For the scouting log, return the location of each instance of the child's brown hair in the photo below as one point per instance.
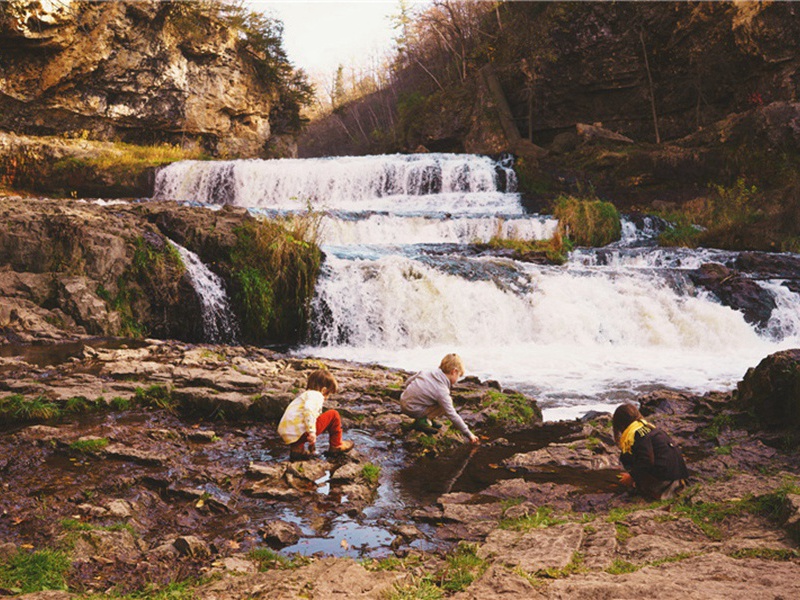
(624, 415)
(322, 378)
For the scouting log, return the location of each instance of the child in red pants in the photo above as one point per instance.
(304, 420)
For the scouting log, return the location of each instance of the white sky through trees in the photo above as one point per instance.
(319, 35)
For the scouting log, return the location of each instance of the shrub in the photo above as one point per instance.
(587, 222)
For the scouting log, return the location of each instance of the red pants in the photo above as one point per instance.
(329, 421)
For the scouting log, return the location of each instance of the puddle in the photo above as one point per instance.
(50, 355)
(169, 495)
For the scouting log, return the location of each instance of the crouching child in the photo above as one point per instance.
(304, 420)
(654, 464)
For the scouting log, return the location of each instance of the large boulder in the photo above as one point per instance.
(737, 291)
(771, 390)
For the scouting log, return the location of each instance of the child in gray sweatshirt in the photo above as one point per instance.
(427, 396)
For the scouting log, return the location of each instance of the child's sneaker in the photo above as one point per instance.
(425, 425)
(345, 446)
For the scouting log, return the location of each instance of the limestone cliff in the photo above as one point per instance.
(142, 72)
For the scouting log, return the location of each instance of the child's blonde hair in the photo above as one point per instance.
(451, 362)
(322, 379)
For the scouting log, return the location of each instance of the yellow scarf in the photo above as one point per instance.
(627, 437)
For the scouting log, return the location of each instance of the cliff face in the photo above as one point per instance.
(604, 62)
(142, 72)
(70, 268)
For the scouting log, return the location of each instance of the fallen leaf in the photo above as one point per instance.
(344, 544)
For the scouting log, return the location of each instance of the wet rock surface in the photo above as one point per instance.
(162, 477)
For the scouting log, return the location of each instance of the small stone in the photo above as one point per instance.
(279, 534)
(190, 545)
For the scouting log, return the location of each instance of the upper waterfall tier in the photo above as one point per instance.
(407, 182)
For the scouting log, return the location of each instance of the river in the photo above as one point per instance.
(399, 286)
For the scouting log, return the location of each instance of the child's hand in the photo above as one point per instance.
(474, 440)
(625, 479)
(312, 439)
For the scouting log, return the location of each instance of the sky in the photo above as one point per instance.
(319, 35)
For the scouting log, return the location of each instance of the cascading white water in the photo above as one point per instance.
(401, 288)
(219, 325)
(416, 182)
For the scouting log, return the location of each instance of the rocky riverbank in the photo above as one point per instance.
(154, 462)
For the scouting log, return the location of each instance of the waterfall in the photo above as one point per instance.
(416, 182)
(219, 325)
(402, 286)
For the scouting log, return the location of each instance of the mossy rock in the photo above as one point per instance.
(770, 392)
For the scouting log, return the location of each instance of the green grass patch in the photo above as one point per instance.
(267, 560)
(178, 590)
(17, 407)
(589, 222)
(509, 408)
(718, 424)
(575, 565)
(393, 563)
(371, 473)
(420, 588)
(89, 445)
(27, 572)
(462, 568)
(119, 403)
(156, 396)
(81, 404)
(543, 517)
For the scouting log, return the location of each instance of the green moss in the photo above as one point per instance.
(274, 270)
(587, 222)
(509, 408)
(89, 445)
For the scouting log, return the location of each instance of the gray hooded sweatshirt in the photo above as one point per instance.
(426, 390)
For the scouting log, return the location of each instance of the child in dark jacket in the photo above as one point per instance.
(654, 463)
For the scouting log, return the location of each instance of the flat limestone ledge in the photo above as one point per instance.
(328, 578)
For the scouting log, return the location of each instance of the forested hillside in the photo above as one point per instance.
(686, 109)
